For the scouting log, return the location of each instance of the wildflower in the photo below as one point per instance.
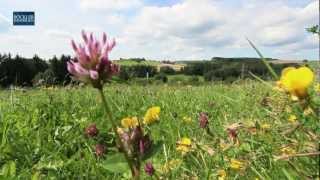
(100, 150)
(184, 145)
(224, 146)
(130, 122)
(236, 164)
(308, 111)
(292, 118)
(92, 64)
(144, 145)
(91, 131)
(151, 115)
(170, 165)
(211, 104)
(296, 81)
(120, 131)
(203, 120)
(287, 150)
(222, 174)
(149, 169)
(187, 119)
(233, 131)
(136, 134)
(317, 87)
(288, 109)
(265, 126)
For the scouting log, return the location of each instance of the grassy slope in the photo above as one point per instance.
(42, 130)
(131, 63)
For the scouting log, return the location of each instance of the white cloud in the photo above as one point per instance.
(59, 34)
(188, 29)
(110, 4)
(209, 25)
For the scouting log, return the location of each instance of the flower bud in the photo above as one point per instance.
(100, 150)
(203, 120)
(91, 131)
(149, 169)
(144, 145)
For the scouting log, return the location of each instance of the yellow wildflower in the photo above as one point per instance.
(265, 126)
(288, 109)
(287, 150)
(151, 115)
(236, 164)
(187, 119)
(170, 165)
(130, 122)
(120, 130)
(317, 87)
(222, 174)
(296, 81)
(184, 145)
(308, 111)
(292, 118)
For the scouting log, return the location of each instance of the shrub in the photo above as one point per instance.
(141, 70)
(167, 70)
(161, 77)
(124, 74)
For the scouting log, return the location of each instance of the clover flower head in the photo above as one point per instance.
(100, 150)
(149, 169)
(91, 130)
(203, 120)
(92, 64)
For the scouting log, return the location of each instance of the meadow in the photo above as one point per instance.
(42, 132)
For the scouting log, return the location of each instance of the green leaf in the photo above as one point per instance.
(8, 169)
(155, 148)
(116, 163)
(286, 173)
(47, 164)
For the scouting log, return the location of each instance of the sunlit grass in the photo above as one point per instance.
(42, 131)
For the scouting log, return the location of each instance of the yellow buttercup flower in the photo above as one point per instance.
(170, 165)
(296, 81)
(221, 174)
(308, 111)
(187, 119)
(317, 87)
(287, 151)
(120, 130)
(184, 145)
(151, 115)
(292, 118)
(236, 164)
(265, 126)
(288, 109)
(130, 122)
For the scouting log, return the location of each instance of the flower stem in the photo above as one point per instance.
(135, 172)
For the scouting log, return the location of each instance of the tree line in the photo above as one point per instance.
(22, 71)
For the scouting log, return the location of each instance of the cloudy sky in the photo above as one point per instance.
(166, 29)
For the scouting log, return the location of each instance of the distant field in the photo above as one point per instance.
(131, 63)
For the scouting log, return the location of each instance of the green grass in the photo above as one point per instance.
(41, 131)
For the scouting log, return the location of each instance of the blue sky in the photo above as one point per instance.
(166, 29)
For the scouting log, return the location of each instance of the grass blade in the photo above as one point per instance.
(273, 73)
